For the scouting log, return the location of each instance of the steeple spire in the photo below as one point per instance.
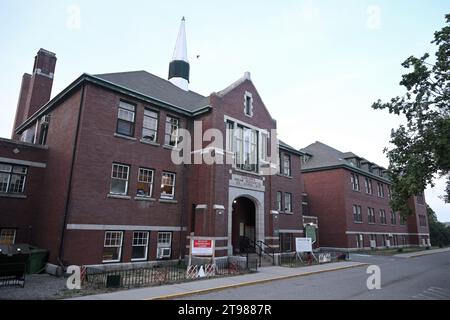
(179, 66)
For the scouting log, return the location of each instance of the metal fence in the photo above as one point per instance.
(165, 273)
(318, 257)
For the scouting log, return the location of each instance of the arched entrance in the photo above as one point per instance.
(243, 222)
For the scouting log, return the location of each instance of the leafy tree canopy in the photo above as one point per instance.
(422, 146)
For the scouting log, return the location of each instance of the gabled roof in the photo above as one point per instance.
(284, 146)
(325, 157)
(153, 86)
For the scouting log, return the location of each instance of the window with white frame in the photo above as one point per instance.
(380, 189)
(125, 119)
(354, 179)
(285, 164)
(357, 216)
(12, 178)
(382, 216)
(393, 218)
(7, 236)
(368, 185)
(164, 239)
(168, 185)
(150, 125)
(145, 182)
(230, 135)
(246, 148)
(263, 147)
(279, 203)
(171, 134)
(140, 245)
(287, 202)
(119, 179)
(112, 247)
(248, 104)
(359, 240)
(371, 215)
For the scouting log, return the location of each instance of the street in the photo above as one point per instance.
(423, 278)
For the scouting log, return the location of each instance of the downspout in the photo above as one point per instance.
(69, 189)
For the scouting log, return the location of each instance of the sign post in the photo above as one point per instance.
(201, 247)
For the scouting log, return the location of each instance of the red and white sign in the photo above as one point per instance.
(202, 247)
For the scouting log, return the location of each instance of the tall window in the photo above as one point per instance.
(168, 185)
(368, 185)
(380, 189)
(150, 126)
(145, 183)
(140, 245)
(246, 149)
(172, 126)
(230, 135)
(285, 164)
(12, 178)
(422, 220)
(354, 179)
(359, 240)
(279, 203)
(112, 248)
(7, 236)
(286, 242)
(264, 140)
(126, 119)
(393, 218)
(402, 220)
(389, 192)
(119, 179)
(305, 204)
(371, 215)
(287, 202)
(248, 105)
(357, 217)
(383, 216)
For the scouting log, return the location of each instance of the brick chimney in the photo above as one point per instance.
(36, 89)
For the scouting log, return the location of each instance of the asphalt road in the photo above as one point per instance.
(423, 278)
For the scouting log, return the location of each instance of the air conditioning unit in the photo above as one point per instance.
(45, 119)
(388, 243)
(163, 253)
(373, 244)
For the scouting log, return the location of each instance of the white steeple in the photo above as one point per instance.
(179, 66)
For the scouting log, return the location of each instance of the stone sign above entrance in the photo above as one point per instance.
(246, 182)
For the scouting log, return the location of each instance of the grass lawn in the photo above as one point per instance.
(390, 252)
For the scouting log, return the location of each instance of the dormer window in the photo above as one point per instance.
(248, 104)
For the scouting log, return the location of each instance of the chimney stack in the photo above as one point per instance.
(36, 89)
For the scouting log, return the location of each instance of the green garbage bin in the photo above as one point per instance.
(38, 259)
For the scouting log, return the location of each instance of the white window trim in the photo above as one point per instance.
(248, 95)
(110, 246)
(166, 195)
(151, 182)
(2, 235)
(146, 246)
(164, 245)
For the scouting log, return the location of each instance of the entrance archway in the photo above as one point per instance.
(243, 222)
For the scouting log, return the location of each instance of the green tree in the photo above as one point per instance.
(439, 233)
(422, 146)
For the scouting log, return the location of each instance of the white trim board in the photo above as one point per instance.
(73, 226)
(24, 162)
(387, 232)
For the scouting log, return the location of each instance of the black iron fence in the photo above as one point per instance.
(165, 273)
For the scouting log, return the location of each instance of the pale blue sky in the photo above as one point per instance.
(318, 65)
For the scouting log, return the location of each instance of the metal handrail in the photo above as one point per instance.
(271, 252)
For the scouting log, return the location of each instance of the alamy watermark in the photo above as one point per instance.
(374, 280)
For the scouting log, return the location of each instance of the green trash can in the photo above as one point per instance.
(38, 259)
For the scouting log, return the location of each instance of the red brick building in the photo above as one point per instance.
(89, 174)
(350, 196)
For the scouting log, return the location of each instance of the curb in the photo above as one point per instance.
(248, 283)
(420, 255)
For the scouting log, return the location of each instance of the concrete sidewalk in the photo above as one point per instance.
(264, 274)
(421, 253)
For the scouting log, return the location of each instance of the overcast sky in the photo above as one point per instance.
(318, 65)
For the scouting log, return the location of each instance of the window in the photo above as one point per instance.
(145, 183)
(168, 185)
(354, 179)
(368, 185)
(286, 242)
(264, 141)
(150, 126)
(305, 204)
(393, 218)
(371, 215)
(287, 202)
(382, 216)
(172, 126)
(402, 220)
(359, 240)
(279, 206)
(246, 149)
(357, 217)
(230, 135)
(380, 189)
(12, 178)
(164, 245)
(420, 199)
(125, 119)
(422, 220)
(140, 245)
(373, 239)
(389, 192)
(112, 248)
(285, 164)
(248, 104)
(7, 236)
(43, 132)
(119, 179)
